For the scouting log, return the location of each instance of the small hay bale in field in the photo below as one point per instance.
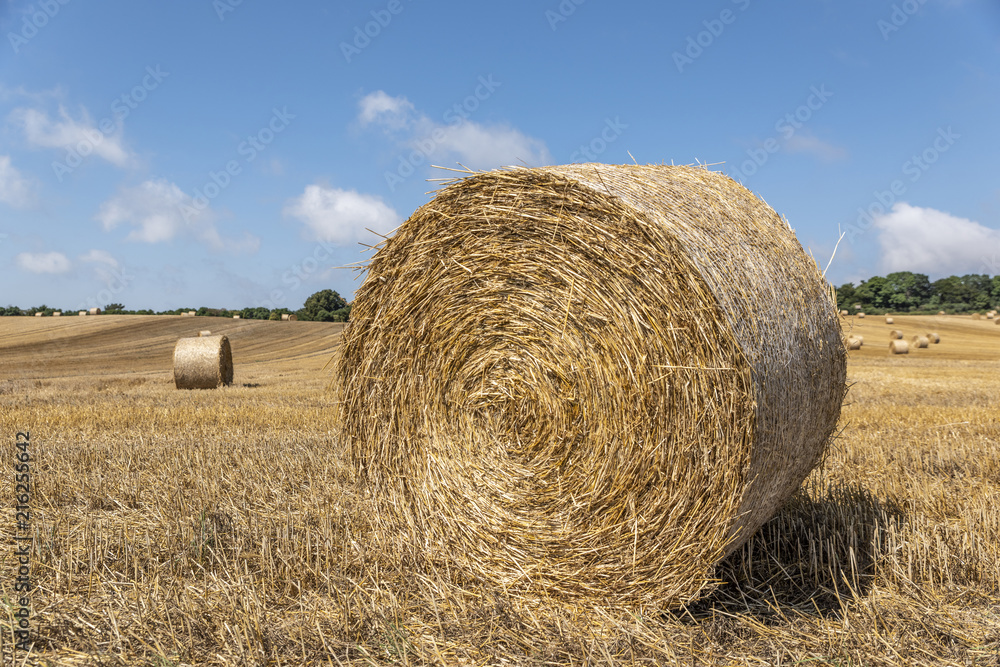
(236, 317)
(58, 313)
(293, 317)
(941, 312)
(203, 363)
(204, 332)
(95, 311)
(39, 314)
(82, 313)
(898, 347)
(920, 341)
(854, 343)
(975, 316)
(989, 316)
(859, 337)
(895, 333)
(934, 338)
(888, 320)
(996, 321)
(567, 381)
(861, 315)
(844, 313)
(192, 313)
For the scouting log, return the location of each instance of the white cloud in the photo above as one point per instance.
(803, 142)
(391, 112)
(341, 216)
(934, 242)
(107, 267)
(66, 133)
(473, 144)
(43, 262)
(15, 189)
(101, 257)
(160, 211)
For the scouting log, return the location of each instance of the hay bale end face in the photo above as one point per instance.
(934, 338)
(557, 379)
(920, 341)
(889, 320)
(203, 362)
(895, 333)
(899, 347)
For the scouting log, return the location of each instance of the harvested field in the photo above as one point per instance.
(226, 527)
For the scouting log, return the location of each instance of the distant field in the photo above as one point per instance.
(224, 527)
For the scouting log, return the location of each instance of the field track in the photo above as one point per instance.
(63, 347)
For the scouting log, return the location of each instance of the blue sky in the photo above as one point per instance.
(230, 153)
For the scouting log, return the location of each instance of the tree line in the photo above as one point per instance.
(904, 291)
(324, 306)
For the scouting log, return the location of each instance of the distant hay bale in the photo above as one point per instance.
(934, 338)
(859, 337)
(57, 313)
(975, 316)
(989, 316)
(569, 381)
(236, 317)
(888, 320)
(941, 312)
(204, 332)
(898, 347)
(861, 315)
(39, 314)
(854, 343)
(192, 313)
(284, 317)
(844, 312)
(920, 341)
(82, 313)
(95, 311)
(293, 317)
(203, 363)
(996, 321)
(895, 333)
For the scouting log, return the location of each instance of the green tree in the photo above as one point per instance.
(873, 293)
(322, 306)
(114, 309)
(906, 290)
(846, 297)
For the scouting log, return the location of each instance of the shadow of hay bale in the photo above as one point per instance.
(813, 554)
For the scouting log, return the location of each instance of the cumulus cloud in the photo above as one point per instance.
(933, 242)
(474, 144)
(803, 142)
(15, 189)
(67, 133)
(160, 211)
(341, 216)
(43, 262)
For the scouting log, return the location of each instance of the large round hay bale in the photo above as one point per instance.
(975, 316)
(39, 314)
(57, 313)
(95, 311)
(920, 341)
(934, 338)
(861, 315)
(895, 333)
(203, 362)
(236, 317)
(569, 381)
(854, 343)
(889, 320)
(844, 313)
(996, 321)
(859, 337)
(989, 316)
(899, 347)
(941, 312)
(82, 313)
